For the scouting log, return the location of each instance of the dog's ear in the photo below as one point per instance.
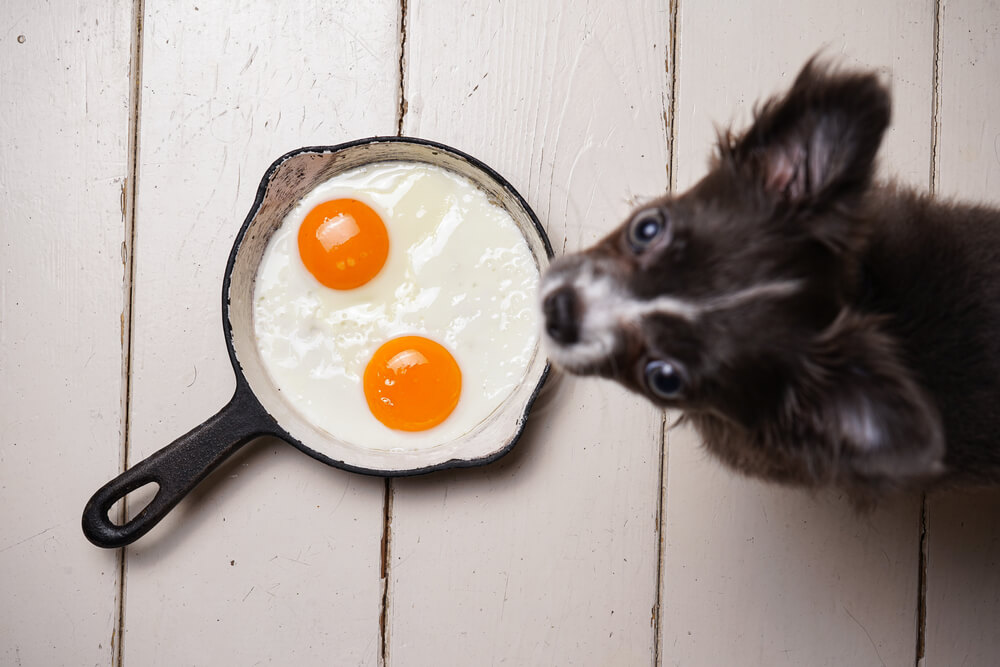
(819, 141)
(869, 405)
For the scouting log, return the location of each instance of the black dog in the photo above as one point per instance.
(816, 327)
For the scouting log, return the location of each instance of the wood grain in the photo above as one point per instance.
(963, 529)
(275, 558)
(64, 87)
(756, 574)
(551, 555)
(548, 557)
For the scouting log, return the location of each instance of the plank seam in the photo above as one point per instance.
(935, 94)
(932, 185)
(672, 71)
(386, 546)
(661, 502)
(922, 584)
(402, 69)
(383, 621)
(128, 315)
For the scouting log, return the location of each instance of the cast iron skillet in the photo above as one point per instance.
(258, 408)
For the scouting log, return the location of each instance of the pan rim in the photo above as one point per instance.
(276, 429)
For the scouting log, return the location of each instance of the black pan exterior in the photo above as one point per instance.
(182, 464)
(176, 469)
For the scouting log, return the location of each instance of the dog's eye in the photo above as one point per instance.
(645, 227)
(664, 379)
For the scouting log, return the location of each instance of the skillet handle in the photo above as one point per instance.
(176, 468)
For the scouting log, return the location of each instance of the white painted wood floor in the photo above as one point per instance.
(134, 137)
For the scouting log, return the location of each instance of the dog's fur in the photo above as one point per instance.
(822, 328)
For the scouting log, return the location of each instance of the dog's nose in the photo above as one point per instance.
(561, 310)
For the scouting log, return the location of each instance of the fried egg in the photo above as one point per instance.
(394, 306)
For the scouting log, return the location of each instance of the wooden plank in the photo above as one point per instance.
(64, 110)
(968, 144)
(757, 574)
(963, 529)
(963, 579)
(547, 557)
(276, 557)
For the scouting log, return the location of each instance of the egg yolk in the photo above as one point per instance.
(343, 243)
(412, 383)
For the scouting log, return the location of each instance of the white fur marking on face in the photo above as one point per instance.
(602, 300)
(691, 310)
(606, 305)
(662, 305)
(861, 425)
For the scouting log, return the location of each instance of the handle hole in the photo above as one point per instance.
(134, 501)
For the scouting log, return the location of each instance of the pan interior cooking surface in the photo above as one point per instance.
(426, 346)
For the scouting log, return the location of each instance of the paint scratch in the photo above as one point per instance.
(29, 538)
(867, 634)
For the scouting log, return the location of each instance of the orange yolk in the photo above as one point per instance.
(343, 243)
(412, 383)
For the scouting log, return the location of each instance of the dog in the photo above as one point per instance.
(816, 327)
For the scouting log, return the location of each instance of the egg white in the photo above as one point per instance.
(459, 272)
